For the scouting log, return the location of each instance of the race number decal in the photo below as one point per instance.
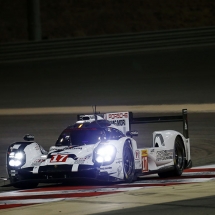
(137, 155)
(144, 155)
(58, 158)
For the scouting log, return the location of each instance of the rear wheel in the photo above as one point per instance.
(128, 163)
(179, 159)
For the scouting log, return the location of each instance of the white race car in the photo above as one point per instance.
(101, 147)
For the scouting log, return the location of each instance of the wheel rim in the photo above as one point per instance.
(179, 153)
(128, 164)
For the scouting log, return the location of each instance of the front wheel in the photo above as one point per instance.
(128, 163)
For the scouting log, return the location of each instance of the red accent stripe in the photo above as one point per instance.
(182, 177)
(7, 206)
(51, 196)
(153, 184)
(200, 170)
(56, 188)
(94, 193)
(78, 195)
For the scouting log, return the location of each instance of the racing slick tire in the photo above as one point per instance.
(22, 185)
(128, 163)
(179, 159)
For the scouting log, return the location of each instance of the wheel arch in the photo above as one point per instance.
(30, 149)
(165, 138)
(183, 143)
(181, 140)
(128, 161)
(132, 143)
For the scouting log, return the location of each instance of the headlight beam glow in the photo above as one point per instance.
(105, 153)
(19, 155)
(16, 159)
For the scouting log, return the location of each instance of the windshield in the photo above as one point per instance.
(78, 137)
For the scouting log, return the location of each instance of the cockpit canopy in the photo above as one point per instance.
(81, 135)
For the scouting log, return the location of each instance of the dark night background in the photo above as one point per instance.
(80, 18)
(176, 75)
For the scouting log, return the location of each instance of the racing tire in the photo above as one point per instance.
(128, 163)
(23, 185)
(179, 160)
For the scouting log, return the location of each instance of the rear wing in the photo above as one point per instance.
(124, 120)
(158, 119)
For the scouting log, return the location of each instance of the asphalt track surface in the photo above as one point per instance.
(181, 76)
(192, 193)
(178, 76)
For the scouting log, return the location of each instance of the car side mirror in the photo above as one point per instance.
(132, 133)
(28, 137)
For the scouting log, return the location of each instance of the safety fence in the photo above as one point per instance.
(104, 45)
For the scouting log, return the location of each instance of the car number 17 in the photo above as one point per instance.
(58, 158)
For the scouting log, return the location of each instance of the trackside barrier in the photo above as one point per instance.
(103, 45)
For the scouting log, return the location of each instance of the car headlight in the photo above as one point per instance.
(15, 162)
(19, 155)
(104, 154)
(16, 159)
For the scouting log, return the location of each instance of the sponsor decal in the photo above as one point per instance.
(104, 168)
(87, 157)
(134, 133)
(138, 164)
(82, 160)
(118, 115)
(119, 170)
(37, 162)
(58, 158)
(152, 151)
(137, 155)
(164, 155)
(119, 119)
(118, 122)
(144, 155)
